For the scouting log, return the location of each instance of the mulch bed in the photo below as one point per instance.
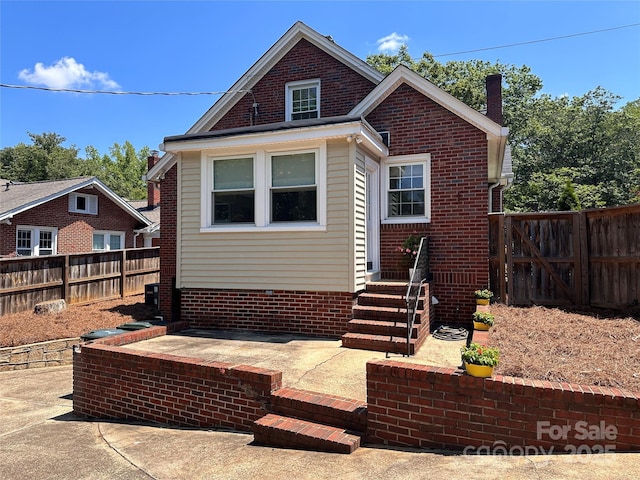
(589, 348)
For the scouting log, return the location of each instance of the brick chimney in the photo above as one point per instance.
(494, 97)
(153, 189)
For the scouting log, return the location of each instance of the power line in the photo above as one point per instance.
(537, 41)
(108, 92)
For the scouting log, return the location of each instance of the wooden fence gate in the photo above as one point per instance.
(587, 258)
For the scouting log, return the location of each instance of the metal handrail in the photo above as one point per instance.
(419, 273)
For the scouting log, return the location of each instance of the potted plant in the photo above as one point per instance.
(483, 320)
(483, 296)
(479, 360)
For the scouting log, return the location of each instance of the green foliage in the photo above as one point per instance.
(484, 317)
(557, 144)
(477, 354)
(485, 293)
(47, 159)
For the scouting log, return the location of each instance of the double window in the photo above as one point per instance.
(266, 189)
(407, 183)
(36, 241)
(303, 100)
(83, 203)
(103, 241)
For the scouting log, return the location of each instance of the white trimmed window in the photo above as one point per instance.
(104, 241)
(279, 190)
(303, 100)
(32, 241)
(407, 183)
(83, 203)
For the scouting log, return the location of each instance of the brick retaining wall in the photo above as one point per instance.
(424, 406)
(118, 383)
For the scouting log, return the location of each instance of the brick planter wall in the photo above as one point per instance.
(323, 314)
(116, 383)
(423, 406)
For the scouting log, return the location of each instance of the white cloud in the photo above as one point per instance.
(391, 43)
(67, 73)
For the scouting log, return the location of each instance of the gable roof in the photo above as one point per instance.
(258, 70)
(19, 197)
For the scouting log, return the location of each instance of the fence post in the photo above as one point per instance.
(65, 279)
(509, 249)
(584, 297)
(123, 273)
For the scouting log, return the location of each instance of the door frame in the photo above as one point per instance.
(372, 218)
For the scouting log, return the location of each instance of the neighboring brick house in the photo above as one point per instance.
(150, 208)
(75, 215)
(295, 188)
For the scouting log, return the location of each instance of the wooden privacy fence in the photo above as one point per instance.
(586, 258)
(77, 278)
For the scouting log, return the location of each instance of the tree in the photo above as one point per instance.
(555, 142)
(47, 159)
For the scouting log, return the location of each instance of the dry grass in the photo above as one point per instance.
(552, 344)
(27, 327)
(536, 342)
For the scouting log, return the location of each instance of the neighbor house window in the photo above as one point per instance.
(36, 240)
(103, 241)
(279, 190)
(293, 187)
(233, 195)
(83, 203)
(303, 100)
(407, 180)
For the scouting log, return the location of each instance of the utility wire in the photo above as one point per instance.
(107, 92)
(537, 41)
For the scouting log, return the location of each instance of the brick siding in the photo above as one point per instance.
(431, 407)
(323, 314)
(111, 382)
(459, 227)
(75, 230)
(341, 88)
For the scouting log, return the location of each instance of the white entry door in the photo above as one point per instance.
(373, 219)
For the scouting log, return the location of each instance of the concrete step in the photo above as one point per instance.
(378, 327)
(287, 432)
(381, 343)
(321, 408)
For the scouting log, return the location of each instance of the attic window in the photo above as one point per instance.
(82, 203)
(303, 100)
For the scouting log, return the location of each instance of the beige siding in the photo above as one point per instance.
(360, 171)
(318, 261)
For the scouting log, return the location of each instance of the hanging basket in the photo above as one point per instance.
(480, 326)
(482, 301)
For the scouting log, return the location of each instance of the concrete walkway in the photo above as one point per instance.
(41, 438)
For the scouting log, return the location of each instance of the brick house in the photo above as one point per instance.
(294, 189)
(75, 215)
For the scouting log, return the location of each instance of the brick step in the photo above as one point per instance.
(384, 300)
(381, 313)
(389, 287)
(286, 432)
(381, 343)
(378, 327)
(320, 407)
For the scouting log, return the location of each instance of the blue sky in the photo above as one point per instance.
(205, 46)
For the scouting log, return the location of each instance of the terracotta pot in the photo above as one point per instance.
(481, 371)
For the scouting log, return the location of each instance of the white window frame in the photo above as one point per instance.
(91, 202)
(262, 183)
(107, 240)
(291, 87)
(35, 239)
(212, 190)
(425, 160)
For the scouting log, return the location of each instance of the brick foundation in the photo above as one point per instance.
(423, 406)
(323, 314)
